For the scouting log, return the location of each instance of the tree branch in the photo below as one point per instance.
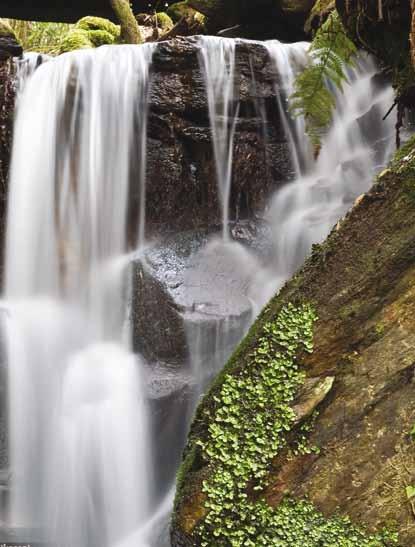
(130, 31)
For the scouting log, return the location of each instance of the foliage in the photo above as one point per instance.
(5, 28)
(330, 51)
(40, 37)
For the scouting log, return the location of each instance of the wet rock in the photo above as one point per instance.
(186, 285)
(7, 96)
(171, 395)
(181, 178)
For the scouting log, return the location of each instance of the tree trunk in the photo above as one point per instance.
(130, 31)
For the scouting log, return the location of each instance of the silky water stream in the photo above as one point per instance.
(81, 438)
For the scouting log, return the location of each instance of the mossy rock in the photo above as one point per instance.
(164, 21)
(90, 32)
(76, 39)
(101, 37)
(182, 9)
(98, 23)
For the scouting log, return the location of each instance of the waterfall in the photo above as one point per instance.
(80, 439)
(217, 60)
(79, 445)
(357, 145)
(289, 60)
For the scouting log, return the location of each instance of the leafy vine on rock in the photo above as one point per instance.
(247, 430)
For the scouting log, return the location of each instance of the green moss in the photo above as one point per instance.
(98, 23)
(76, 39)
(100, 37)
(90, 32)
(181, 9)
(164, 21)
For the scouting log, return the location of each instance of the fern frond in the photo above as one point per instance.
(330, 52)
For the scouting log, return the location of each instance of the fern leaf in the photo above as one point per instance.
(330, 52)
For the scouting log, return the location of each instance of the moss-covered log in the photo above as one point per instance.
(130, 31)
(361, 284)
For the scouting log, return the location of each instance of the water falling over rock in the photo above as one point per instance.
(82, 439)
(79, 445)
(217, 57)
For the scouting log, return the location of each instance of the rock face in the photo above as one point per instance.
(382, 28)
(181, 180)
(7, 95)
(361, 283)
(176, 296)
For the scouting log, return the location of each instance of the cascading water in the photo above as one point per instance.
(217, 59)
(357, 145)
(79, 442)
(289, 60)
(78, 428)
(302, 212)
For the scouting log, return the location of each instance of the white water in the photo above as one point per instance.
(289, 60)
(357, 145)
(79, 437)
(79, 445)
(217, 60)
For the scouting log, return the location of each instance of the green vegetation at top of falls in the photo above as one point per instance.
(248, 423)
(98, 23)
(90, 32)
